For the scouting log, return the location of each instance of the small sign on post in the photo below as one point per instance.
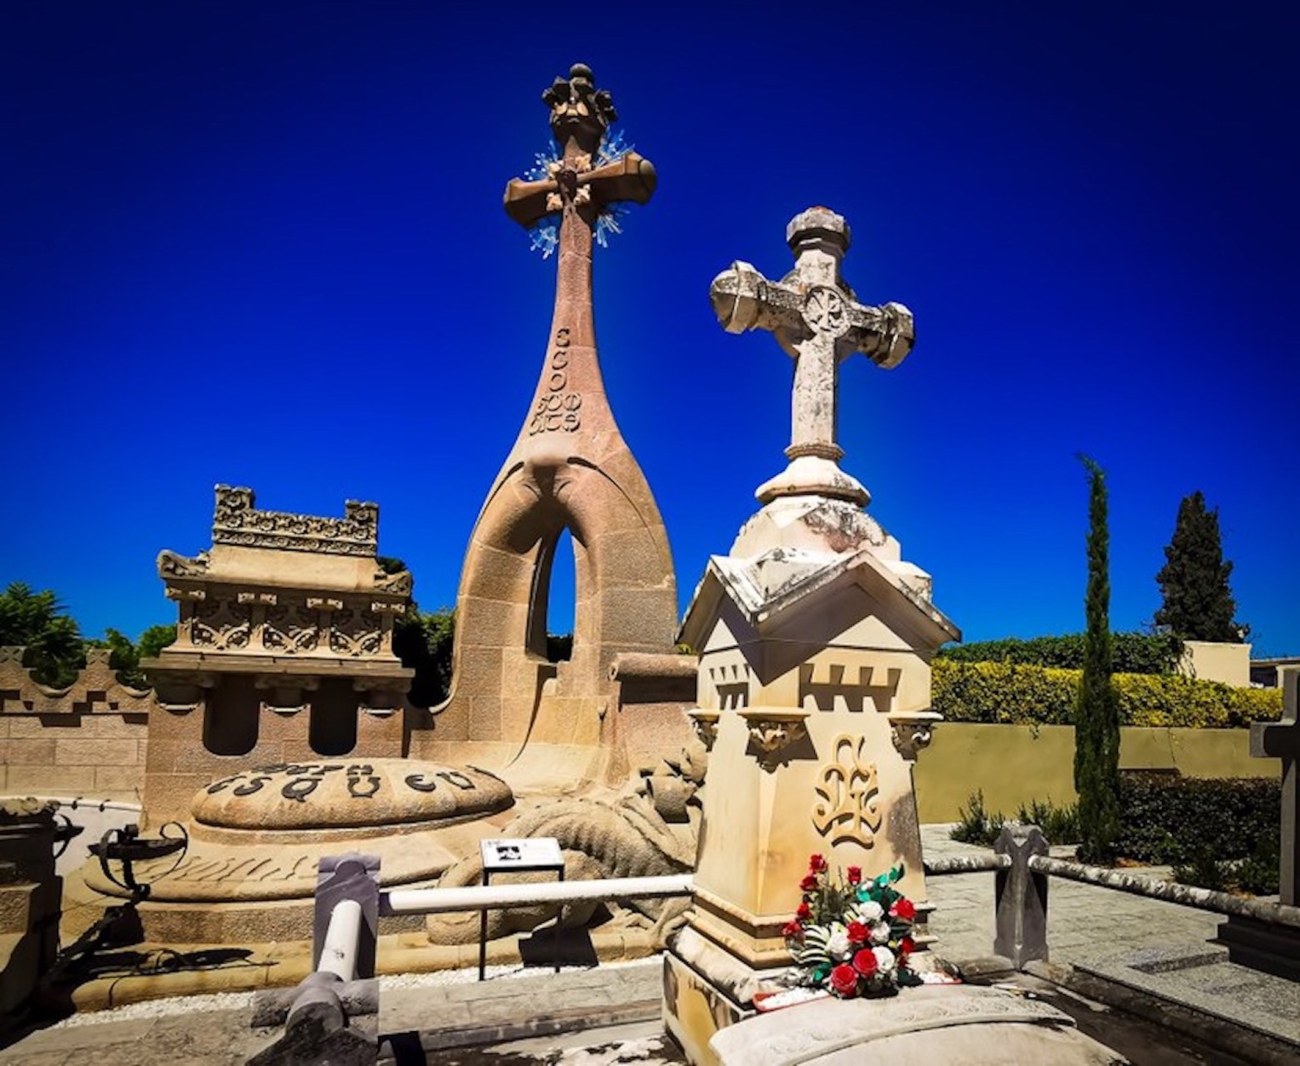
(518, 855)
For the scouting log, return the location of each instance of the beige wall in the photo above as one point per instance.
(99, 756)
(1015, 764)
(1210, 661)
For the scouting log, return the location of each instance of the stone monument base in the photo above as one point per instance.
(1274, 949)
(919, 1027)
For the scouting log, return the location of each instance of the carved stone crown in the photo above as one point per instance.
(237, 521)
(578, 108)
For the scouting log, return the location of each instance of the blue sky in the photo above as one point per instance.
(263, 244)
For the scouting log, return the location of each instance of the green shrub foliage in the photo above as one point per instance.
(1025, 695)
(1172, 819)
(1197, 602)
(1134, 653)
(1096, 716)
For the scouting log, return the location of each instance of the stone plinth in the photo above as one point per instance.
(30, 899)
(973, 1026)
(815, 644)
(283, 650)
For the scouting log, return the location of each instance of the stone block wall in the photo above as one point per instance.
(84, 740)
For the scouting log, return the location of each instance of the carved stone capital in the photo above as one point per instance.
(913, 731)
(185, 595)
(705, 724)
(323, 603)
(772, 732)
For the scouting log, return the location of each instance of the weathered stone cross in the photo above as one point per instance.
(1281, 740)
(818, 321)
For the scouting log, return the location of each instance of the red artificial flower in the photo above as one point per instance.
(844, 979)
(864, 962)
(804, 910)
(858, 933)
(809, 883)
(903, 908)
(906, 946)
(855, 875)
(816, 864)
(792, 930)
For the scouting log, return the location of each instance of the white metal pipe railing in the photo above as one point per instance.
(493, 897)
(342, 938)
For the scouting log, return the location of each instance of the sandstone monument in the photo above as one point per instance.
(545, 725)
(278, 731)
(815, 642)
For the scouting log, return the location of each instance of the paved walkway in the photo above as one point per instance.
(1127, 940)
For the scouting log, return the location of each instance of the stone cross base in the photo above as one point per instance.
(706, 989)
(1262, 946)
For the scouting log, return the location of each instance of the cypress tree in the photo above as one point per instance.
(1096, 719)
(1198, 603)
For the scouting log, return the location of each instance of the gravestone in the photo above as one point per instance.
(1276, 948)
(815, 642)
(554, 726)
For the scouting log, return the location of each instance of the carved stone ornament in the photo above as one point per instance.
(237, 521)
(705, 724)
(772, 732)
(847, 807)
(912, 732)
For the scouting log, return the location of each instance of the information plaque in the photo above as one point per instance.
(518, 855)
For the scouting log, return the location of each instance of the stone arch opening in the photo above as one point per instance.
(332, 728)
(231, 716)
(553, 605)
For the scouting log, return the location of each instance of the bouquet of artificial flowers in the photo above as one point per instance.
(852, 937)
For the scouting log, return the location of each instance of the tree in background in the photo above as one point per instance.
(1198, 604)
(1096, 719)
(125, 654)
(423, 641)
(41, 624)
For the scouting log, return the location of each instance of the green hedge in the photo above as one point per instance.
(992, 692)
(1134, 653)
(1170, 819)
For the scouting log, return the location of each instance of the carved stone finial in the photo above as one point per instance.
(578, 108)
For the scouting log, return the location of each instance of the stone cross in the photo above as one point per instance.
(1281, 740)
(818, 321)
(577, 189)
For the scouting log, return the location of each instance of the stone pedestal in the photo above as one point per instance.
(30, 899)
(815, 643)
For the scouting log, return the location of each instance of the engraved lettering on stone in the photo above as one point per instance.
(848, 808)
(252, 785)
(300, 788)
(421, 783)
(455, 777)
(362, 782)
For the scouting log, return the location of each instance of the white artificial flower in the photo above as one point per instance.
(871, 911)
(880, 933)
(884, 960)
(838, 947)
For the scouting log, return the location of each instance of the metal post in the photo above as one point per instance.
(482, 932)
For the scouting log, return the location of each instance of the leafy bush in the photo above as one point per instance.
(1171, 819)
(974, 824)
(1134, 653)
(1060, 825)
(992, 692)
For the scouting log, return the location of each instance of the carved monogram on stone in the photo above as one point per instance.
(558, 409)
(237, 521)
(847, 807)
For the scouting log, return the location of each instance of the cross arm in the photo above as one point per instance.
(1275, 740)
(885, 335)
(631, 177)
(743, 299)
(526, 201)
